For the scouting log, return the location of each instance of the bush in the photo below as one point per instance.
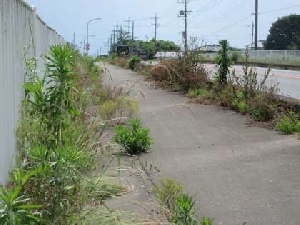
(180, 207)
(184, 211)
(288, 124)
(185, 71)
(298, 127)
(239, 102)
(133, 138)
(132, 62)
(15, 208)
(262, 108)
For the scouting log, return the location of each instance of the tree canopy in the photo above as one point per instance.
(151, 47)
(284, 34)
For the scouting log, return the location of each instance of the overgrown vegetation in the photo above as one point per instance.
(246, 92)
(178, 206)
(57, 140)
(133, 61)
(133, 138)
(289, 123)
(184, 72)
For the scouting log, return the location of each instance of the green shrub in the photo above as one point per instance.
(132, 62)
(16, 208)
(184, 210)
(180, 207)
(288, 124)
(198, 92)
(133, 138)
(262, 109)
(239, 102)
(223, 62)
(206, 221)
(298, 127)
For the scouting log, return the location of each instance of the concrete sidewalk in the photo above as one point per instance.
(241, 174)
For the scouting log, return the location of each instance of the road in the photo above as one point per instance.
(240, 173)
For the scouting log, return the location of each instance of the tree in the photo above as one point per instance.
(284, 34)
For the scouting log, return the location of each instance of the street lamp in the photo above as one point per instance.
(87, 33)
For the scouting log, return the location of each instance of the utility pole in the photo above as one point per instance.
(74, 40)
(128, 25)
(184, 13)
(256, 24)
(111, 42)
(121, 34)
(155, 26)
(114, 35)
(252, 35)
(132, 31)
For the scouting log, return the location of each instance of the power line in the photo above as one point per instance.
(231, 25)
(277, 10)
(208, 7)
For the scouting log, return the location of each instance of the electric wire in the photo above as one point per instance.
(231, 25)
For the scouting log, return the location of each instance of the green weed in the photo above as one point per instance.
(198, 92)
(223, 62)
(288, 124)
(16, 208)
(206, 221)
(133, 137)
(180, 207)
(167, 192)
(132, 62)
(184, 210)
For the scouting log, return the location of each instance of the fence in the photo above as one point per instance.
(280, 57)
(20, 26)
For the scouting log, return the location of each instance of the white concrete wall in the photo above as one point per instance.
(19, 27)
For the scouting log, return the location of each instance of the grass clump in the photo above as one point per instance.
(133, 138)
(289, 123)
(100, 189)
(239, 102)
(133, 62)
(122, 106)
(179, 206)
(166, 192)
(198, 93)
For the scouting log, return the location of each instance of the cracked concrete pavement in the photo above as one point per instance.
(241, 174)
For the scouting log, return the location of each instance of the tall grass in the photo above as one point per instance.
(55, 143)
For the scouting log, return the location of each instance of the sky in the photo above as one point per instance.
(209, 20)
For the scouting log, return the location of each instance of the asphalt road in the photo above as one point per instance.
(241, 174)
